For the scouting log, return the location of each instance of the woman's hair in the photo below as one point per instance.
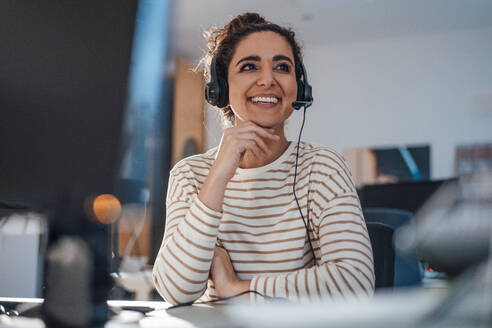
(222, 43)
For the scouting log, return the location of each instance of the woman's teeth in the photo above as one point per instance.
(266, 100)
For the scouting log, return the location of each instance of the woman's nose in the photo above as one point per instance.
(266, 78)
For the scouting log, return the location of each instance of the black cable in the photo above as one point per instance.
(222, 299)
(294, 186)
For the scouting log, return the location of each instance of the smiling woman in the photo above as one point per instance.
(233, 222)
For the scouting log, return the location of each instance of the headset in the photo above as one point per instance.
(217, 90)
(304, 91)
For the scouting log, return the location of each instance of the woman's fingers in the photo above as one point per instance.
(257, 143)
(251, 131)
(236, 141)
(251, 145)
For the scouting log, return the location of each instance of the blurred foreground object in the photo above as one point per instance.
(453, 230)
(453, 234)
(76, 278)
(68, 299)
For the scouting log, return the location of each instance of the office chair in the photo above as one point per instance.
(381, 236)
(408, 271)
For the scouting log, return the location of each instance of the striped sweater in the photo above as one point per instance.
(262, 230)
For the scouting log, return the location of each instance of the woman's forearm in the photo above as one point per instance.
(213, 189)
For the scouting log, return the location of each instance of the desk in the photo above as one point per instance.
(403, 308)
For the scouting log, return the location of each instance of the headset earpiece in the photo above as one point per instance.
(216, 91)
(300, 90)
(304, 91)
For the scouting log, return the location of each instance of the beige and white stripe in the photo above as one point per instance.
(261, 228)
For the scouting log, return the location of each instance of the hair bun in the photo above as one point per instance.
(243, 20)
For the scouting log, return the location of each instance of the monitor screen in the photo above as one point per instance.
(408, 196)
(63, 82)
(64, 69)
(377, 165)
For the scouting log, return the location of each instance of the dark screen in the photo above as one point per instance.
(63, 82)
(408, 196)
(391, 162)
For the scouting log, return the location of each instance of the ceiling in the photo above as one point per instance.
(329, 21)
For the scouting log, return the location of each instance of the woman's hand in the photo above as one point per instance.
(235, 142)
(222, 274)
(239, 139)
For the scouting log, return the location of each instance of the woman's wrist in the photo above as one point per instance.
(212, 191)
(241, 286)
(236, 287)
(218, 176)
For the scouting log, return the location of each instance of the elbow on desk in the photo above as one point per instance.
(168, 289)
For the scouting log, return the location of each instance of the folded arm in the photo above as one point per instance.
(344, 262)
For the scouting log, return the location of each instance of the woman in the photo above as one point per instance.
(233, 224)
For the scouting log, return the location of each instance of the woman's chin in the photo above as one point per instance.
(268, 124)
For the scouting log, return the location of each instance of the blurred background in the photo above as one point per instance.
(403, 88)
(384, 72)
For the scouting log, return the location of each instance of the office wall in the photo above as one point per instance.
(402, 90)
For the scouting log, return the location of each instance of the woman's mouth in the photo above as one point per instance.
(269, 100)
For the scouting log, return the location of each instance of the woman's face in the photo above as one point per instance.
(262, 82)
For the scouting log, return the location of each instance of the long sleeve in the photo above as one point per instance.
(182, 265)
(345, 264)
(262, 230)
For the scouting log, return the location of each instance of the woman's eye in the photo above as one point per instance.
(283, 67)
(247, 67)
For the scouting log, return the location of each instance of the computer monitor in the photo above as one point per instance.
(408, 196)
(63, 90)
(63, 82)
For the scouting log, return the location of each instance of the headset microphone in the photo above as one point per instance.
(298, 104)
